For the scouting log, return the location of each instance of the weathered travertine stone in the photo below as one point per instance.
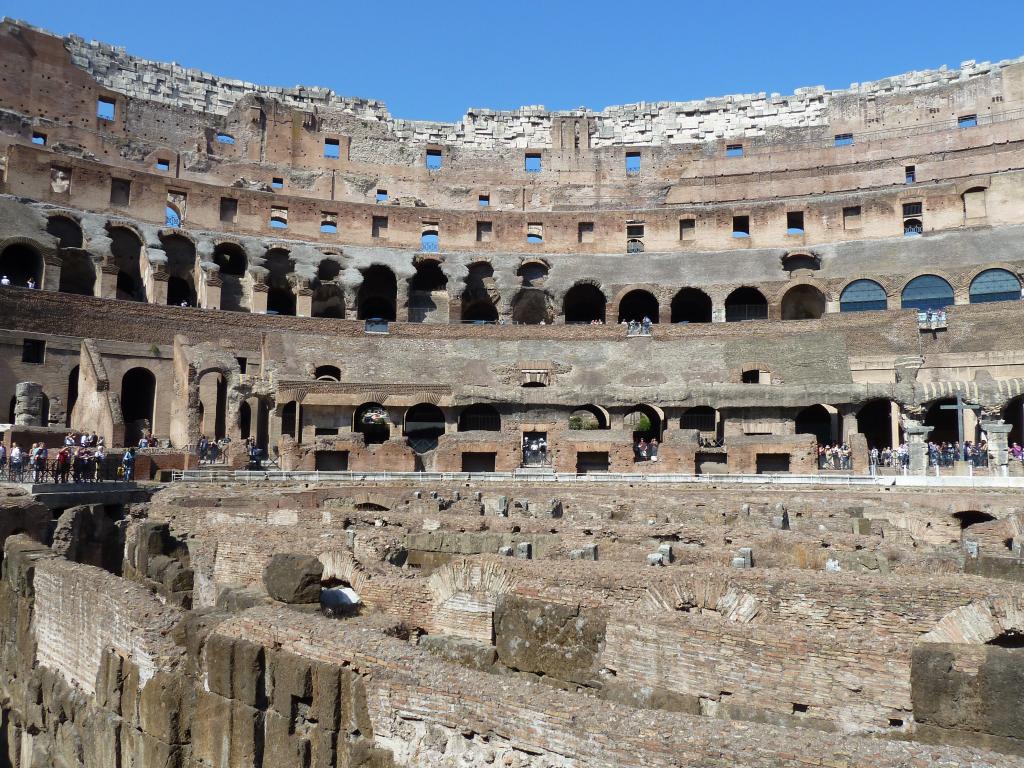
(293, 578)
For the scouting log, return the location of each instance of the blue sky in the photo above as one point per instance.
(433, 60)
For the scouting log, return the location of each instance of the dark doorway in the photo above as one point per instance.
(592, 461)
(772, 462)
(944, 423)
(584, 303)
(378, 294)
(691, 305)
(72, 395)
(531, 306)
(138, 398)
(77, 274)
(816, 421)
(371, 419)
(874, 421)
(66, 230)
(20, 263)
(478, 461)
(331, 461)
(638, 304)
(745, 304)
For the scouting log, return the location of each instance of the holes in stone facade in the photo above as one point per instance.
(532, 163)
(734, 150)
(585, 232)
(691, 305)
(851, 217)
(687, 229)
(584, 303)
(794, 222)
(844, 140)
(379, 227)
(433, 159)
(39, 138)
(484, 231)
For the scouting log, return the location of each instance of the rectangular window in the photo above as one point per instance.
(851, 217)
(163, 165)
(741, 226)
(586, 232)
(332, 149)
(687, 229)
(379, 227)
(328, 223)
(533, 163)
(105, 108)
(844, 140)
(33, 351)
(911, 174)
(228, 209)
(382, 195)
(484, 231)
(634, 230)
(912, 209)
(39, 138)
(535, 232)
(120, 191)
(974, 204)
(277, 183)
(241, 364)
(967, 121)
(632, 163)
(734, 150)
(484, 200)
(278, 218)
(795, 223)
(433, 159)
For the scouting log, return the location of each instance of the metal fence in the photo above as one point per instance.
(110, 469)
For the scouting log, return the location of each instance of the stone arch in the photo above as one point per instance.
(21, 262)
(942, 421)
(584, 303)
(126, 254)
(532, 306)
(66, 229)
(816, 420)
(479, 294)
(862, 295)
(636, 304)
(280, 289)
(994, 284)
(424, 424)
(371, 420)
(795, 260)
(138, 403)
(181, 268)
(482, 417)
(533, 272)
(746, 303)
(655, 427)
(234, 263)
(691, 305)
(377, 296)
(703, 418)
(77, 273)
(426, 286)
(979, 622)
(926, 291)
(327, 373)
(803, 302)
(599, 418)
(1013, 414)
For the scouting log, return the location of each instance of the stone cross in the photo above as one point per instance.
(960, 407)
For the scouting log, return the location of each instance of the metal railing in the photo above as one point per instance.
(931, 320)
(110, 469)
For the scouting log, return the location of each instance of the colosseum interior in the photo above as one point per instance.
(503, 442)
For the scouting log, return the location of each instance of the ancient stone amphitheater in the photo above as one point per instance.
(498, 443)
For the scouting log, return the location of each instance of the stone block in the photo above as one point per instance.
(524, 550)
(667, 553)
(586, 552)
(656, 558)
(293, 578)
(861, 526)
(505, 551)
(739, 562)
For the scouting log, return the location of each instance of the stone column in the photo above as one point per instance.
(259, 299)
(849, 426)
(304, 302)
(917, 437)
(28, 404)
(998, 435)
(106, 284)
(894, 422)
(51, 273)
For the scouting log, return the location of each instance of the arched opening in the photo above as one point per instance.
(288, 419)
(138, 398)
(745, 304)
(704, 419)
(589, 417)
(994, 285)
(816, 420)
(803, 302)
(532, 273)
(66, 230)
(328, 301)
(944, 422)
(479, 295)
(532, 306)
(926, 292)
(244, 420)
(874, 421)
(1013, 414)
(912, 227)
(637, 305)
(791, 262)
(430, 242)
(77, 274)
(479, 417)
(72, 397)
(862, 296)
(327, 373)
(428, 280)
(231, 259)
(691, 305)
(280, 293)
(21, 263)
(371, 419)
(584, 303)
(424, 423)
(378, 295)
(172, 216)
(126, 250)
(181, 266)
(645, 423)
(213, 404)
(972, 517)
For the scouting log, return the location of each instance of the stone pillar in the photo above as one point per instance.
(259, 299)
(849, 426)
(894, 422)
(28, 404)
(917, 437)
(718, 314)
(970, 425)
(998, 435)
(304, 302)
(51, 273)
(106, 285)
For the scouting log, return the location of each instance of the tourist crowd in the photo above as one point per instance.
(82, 459)
(944, 454)
(646, 451)
(634, 328)
(835, 457)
